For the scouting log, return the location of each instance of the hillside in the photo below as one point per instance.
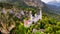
(47, 9)
(15, 15)
(23, 4)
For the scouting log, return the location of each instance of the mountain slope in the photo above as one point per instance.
(54, 5)
(25, 3)
(55, 8)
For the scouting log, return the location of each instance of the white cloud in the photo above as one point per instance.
(46, 1)
(58, 0)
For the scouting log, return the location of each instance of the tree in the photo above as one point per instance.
(58, 32)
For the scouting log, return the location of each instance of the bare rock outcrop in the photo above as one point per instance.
(35, 3)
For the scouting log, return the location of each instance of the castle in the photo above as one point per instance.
(35, 18)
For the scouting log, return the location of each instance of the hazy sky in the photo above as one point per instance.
(50, 0)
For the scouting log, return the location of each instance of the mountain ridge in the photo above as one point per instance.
(54, 3)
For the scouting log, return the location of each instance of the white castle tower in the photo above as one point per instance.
(40, 14)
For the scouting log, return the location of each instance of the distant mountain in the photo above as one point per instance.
(54, 3)
(55, 8)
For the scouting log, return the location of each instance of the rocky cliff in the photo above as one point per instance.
(35, 3)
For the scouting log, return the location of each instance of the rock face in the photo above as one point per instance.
(35, 3)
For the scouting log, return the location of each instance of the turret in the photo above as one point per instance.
(40, 13)
(31, 17)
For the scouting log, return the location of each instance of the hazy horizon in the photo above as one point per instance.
(46, 1)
